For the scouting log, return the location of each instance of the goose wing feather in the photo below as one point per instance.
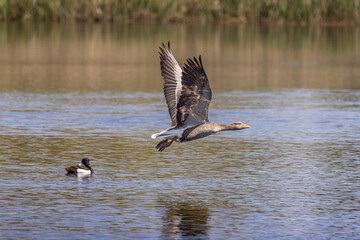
(171, 73)
(194, 101)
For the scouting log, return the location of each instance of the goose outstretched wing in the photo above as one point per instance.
(171, 73)
(193, 104)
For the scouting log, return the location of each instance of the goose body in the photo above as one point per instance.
(188, 95)
(82, 168)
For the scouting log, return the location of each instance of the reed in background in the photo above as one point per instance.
(275, 11)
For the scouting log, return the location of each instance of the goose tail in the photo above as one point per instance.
(155, 135)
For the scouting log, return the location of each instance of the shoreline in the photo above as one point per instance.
(199, 21)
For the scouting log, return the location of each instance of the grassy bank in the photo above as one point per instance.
(275, 11)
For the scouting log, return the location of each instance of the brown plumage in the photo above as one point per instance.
(188, 95)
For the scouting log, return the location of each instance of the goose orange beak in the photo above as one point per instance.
(246, 126)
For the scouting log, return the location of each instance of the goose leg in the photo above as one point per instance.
(161, 143)
(167, 144)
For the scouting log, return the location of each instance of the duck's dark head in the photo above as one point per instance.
(86, 162)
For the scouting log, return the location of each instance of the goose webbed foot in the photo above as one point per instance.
(165, 143)
(161, 143)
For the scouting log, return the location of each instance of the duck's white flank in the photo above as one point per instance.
(83, 175)
(79, 170)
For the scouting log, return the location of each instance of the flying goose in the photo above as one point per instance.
(188, 95)
(82, 168)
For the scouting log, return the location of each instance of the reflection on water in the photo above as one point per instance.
(70, 91)
(85, 178)
(79, 176)
(184, 219)
(77, 57)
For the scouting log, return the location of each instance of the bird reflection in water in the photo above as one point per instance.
(80, 177)
(185, 220)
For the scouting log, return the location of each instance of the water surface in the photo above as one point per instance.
(69, 91)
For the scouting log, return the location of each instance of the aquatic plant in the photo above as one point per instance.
(277, 11)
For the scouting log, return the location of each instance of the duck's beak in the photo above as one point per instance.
(246, 126)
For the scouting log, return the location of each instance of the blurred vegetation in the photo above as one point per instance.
(276, 11)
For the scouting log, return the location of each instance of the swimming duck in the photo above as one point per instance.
(188, 95)
(82, 168)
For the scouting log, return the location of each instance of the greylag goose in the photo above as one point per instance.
(82, 168)
(188, 95)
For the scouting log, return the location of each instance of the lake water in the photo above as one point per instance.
(73, 90)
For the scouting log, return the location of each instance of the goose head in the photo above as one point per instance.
(239, 126)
